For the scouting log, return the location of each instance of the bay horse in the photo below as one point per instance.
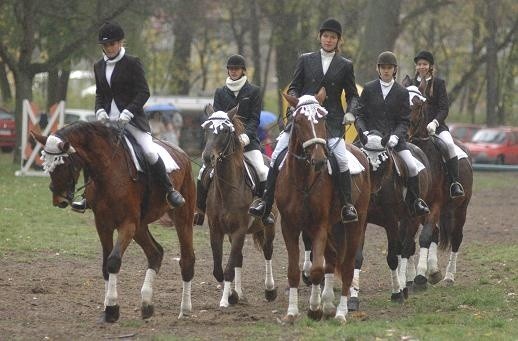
(304, 176)
(228, 199)
(387, 207)
(445, 223)
(121, 199)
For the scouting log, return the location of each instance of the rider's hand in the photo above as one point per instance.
(348, 118)
(244, 139)
(393, 140)
(102, 115)
(125, 116)
(432, 126)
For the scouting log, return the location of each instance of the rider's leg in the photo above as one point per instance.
(259, 207)
(173, 197)
(255, 157)
(452, 164)
(413, 198)
(201, 198)
(348, 212)
(80, 206)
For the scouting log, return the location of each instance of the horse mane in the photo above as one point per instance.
(91, 130)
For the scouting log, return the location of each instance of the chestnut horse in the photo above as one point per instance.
(123, 200)
(387, 208)
(444, 225)
(228, 199)
(308, 202)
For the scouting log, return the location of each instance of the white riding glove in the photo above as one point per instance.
(348, 118)
(102, 116)
(244, 139)
(393, 140)
(432, 126)
(125, 116)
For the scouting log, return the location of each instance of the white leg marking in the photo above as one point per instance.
(423, 259)
(395, 281)
(341, 310)
(268, 282)
(307, 263)
(328, 295)
(410, 269)
(402, 272)
(147, 288)
(237, 282)
(111, 294)
(186, 306)
(293, 303)
(226, 292)
(314, 299)
(355, 285)
(432, 259)
(451, 268)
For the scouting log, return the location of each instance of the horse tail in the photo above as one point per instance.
(446, 225)
(259, 239)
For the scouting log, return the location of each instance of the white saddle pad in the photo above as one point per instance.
(169, 162)
(460, 153)
(355, 167)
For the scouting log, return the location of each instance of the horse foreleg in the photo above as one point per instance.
(456, 240)
(233, 271)
(328, 295)
(154, 253)
(393, 258)
(306, 267)
(354, 302)
(270, 292)
(291, 239)
(317, 272)
(425, 239)
(183, 225)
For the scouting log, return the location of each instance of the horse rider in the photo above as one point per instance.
(436, 112)
(384, 106)
(324, 68)
(238, 91)
(120, 96)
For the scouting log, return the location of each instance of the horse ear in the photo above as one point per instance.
(406, 82)
(292, 100)
(40, 138)
(65, 147)
(209, 109)
(321, 95)
(233, 112)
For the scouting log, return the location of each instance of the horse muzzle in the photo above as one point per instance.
(61, 201)
(318, 164)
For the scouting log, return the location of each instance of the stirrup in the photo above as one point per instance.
(174, 198)
(79, 206)
(420, 207)
(257, 208)
(269, 219)
(199, 218)
(348, 214)
(459, 193)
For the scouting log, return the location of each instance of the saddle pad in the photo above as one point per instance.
(169, 162)
(460, 153)
(418, 163)
(355, 167)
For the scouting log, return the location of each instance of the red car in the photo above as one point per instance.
(7, 131)
(464, 131)
(495, 145)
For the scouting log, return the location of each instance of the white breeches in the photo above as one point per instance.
(145, 141)
(282, 142)
(255, 157)
(337, 145)
(445, 136)
(410, 162)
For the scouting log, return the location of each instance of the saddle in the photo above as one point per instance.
(443, 149)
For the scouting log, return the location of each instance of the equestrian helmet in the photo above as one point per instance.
(236, 61)
(331, 25)
(426, 55)
(388, 58)
(109, 32)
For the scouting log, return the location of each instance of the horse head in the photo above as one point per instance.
(417, 109)
(222, 131)
(309, 133)
(57, 156)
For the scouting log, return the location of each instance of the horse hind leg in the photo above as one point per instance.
(154, 253)
(328, 295)
(235, 262)
(456, 240)
(264, 239)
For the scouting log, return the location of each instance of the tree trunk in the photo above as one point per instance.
(380, 33)
(184, 26)
(5, 90)
(491, 65)
(255, 42)
(510, 77)
(23, 89)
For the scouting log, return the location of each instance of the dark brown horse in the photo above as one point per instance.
(388, 206)
(444, 225)
(308, 203)
(228, 199)
(123, 200)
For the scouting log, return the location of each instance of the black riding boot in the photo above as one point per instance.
(80, 206)
(263, 207)
(456, 189)
(173, 197)
(201, 201)
(348, 212)
(417, 205)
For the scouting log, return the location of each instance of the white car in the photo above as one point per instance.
(73, 115)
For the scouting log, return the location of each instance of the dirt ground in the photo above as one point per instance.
(48, 298)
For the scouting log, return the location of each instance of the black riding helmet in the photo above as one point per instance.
(236, 61)
(109, 32)
(331, 25)
(387, 58)
(426, 55)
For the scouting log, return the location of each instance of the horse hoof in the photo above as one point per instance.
(353, 304)
(341, 319)
(233, 298)
(306, 279)
(410, 286)
(270, 295)
(449, 282)
(315, 315)
(435, 278)
(420, 283)
(397, 297)
(405, 293)
(329, 310)
(184, 314)
(147, 310)
(289, 319)
(111, 313)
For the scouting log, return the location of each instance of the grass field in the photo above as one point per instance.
(485, 309)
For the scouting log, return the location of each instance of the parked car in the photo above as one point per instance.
(73, 115)
(7, 131)
(495, 145)
(464, 131)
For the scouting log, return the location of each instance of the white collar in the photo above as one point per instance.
(387, 84)
(326, 54)
(235, 86)
(427, 78)
(116, 59)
